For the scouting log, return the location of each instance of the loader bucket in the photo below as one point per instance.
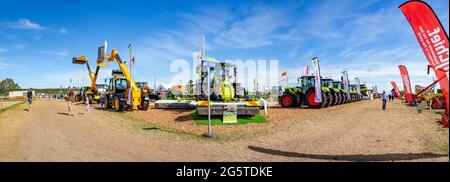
(79, 60)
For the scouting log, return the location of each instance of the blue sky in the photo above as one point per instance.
(369, 38)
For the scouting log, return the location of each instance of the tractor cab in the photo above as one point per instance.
(339, 85)
(307, 82)
(118, 83)
(221, 81)
(327, 82)
(352, 87)
(101, 88)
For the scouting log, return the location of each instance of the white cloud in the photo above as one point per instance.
(19, 46)
(63, 30)
(63, 53)
(22, 24)
(2, 50)
(260, 27)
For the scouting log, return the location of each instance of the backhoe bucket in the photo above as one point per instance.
(79, 60)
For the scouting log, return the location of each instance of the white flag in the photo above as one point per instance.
(316, 66)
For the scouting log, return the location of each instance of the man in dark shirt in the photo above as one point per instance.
(384, 98)
(29, 98)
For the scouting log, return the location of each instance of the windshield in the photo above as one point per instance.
(308, 82)
(337, 85)
(327, 83)
(121, 84)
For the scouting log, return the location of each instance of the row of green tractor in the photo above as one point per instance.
(333, 93)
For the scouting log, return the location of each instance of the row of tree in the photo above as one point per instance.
(7, 85)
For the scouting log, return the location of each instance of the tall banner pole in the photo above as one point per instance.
(406, 83)
(358, 85)
(433, 39)
(345, 80)
(131, 78)
(315, 63)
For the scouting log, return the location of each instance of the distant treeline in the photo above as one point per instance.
(51, 91)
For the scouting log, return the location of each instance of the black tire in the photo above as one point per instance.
(325, 100)
(144, 105)
(77, 98)
(329, 99)
(346, 99)
(106, 104)
(118, 106)
(336, 98)
(287, 100)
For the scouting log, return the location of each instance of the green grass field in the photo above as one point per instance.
(218, 120)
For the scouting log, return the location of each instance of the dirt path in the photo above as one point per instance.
(352, 132)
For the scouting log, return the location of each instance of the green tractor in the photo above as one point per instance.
(305, 94)
(342, 92)
(354, 95)
(336, 96)
(364, 91)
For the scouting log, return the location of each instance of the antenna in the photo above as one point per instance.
(203, 47)
(106, 46)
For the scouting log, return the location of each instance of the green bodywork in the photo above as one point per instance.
(293, 90)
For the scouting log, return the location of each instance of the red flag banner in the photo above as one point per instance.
(432, 38)
(406, 83)
(397, 91)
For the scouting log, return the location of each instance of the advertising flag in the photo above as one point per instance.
(397, 91)
(346, 84)
(306, 70)
(358, 85)
(406, 83)
(315, 63)
(284, 75)
(432, 38)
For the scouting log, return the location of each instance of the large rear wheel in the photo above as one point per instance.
(144, 105)
(311, 100)
(328, 98)
(336, 98)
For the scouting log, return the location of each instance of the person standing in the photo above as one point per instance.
(86, 106)
(29, 98)
(102, 99)
(419, 107)
(383, 100)
(71, 100)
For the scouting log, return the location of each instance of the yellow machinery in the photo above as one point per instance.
(119, 95)
(91, 92)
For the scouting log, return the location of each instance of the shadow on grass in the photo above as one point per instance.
(184, 118)
(151, 128)
(354, 158)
